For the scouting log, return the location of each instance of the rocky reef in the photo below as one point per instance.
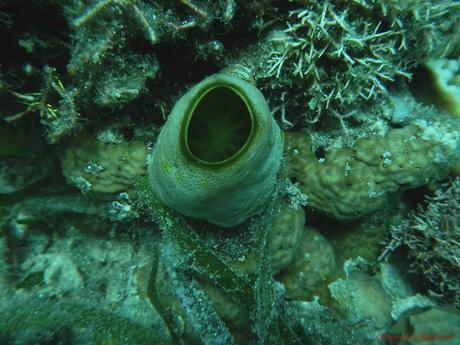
(229, 172)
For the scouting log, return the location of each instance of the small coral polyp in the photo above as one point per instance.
(218, 155)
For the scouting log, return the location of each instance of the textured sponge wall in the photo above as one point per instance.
(223, 194)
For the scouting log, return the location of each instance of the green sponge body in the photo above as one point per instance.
(218, 155)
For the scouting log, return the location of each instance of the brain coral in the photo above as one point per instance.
(351, 182)
(283, 241)
(314, 262)
(95, 166)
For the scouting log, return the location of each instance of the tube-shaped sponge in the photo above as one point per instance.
(219, 152)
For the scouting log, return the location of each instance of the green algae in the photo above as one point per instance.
(39, 314)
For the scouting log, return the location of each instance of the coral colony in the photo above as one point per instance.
(230, 172)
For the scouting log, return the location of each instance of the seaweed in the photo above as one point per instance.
(205, 264)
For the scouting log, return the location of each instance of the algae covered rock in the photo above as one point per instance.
(426, 327)
(363, 297)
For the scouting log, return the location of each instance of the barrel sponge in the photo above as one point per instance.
(351, 182)
(218, 155)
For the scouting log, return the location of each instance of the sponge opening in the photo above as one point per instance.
(219, 126)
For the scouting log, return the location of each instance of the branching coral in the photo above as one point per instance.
(432, 237)
(335, 53)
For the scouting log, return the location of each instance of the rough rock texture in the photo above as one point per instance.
(364, 298)
(429, 327)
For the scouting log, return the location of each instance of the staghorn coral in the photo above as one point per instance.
(432, 237)
(335, 53)
(351, 182)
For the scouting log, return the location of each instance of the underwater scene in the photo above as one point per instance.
(229, 172)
